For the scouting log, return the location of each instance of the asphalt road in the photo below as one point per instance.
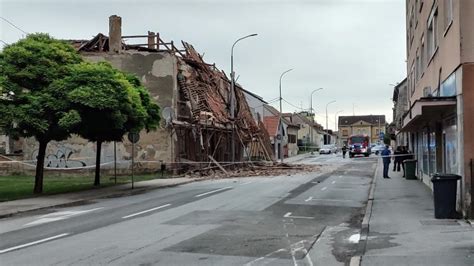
(302, 219)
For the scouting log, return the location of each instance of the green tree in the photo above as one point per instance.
(109, 103)
(30, 106)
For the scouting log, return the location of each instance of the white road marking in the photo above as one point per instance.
(57, 216)
(333, 182)
(324, 188)
(354, 238)
(246, 183)
(150, 210)
(210, 192)
(32, 243)
(288, 215)
(332, 199)
(308, 199)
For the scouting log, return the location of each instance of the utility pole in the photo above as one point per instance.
(232, 94)
(335, 122)
(312, 117)
(327, 129)
(280, 131)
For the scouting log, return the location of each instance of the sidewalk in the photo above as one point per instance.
(403, 230)
(10, 208)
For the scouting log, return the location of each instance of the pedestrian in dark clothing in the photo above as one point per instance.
(405, 156)
(344, 151)
(386, 161)
(397, 159)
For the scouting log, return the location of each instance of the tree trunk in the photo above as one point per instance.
(97, 164)
(40, 167)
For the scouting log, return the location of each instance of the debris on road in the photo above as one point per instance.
(251, 169)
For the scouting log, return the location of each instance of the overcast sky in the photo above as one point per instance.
(352, 48)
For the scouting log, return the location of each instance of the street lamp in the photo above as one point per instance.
(232, 93)
(312, 117)
(280, 118)
(327, 129)
(335, 124)
(335, 118)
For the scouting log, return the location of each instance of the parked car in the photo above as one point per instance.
(378, 148)
(328, 149)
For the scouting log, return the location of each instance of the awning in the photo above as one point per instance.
(426, 110)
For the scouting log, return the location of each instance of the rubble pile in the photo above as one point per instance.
(253, 169)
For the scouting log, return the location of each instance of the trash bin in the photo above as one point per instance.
(445, 190)
(410, 168)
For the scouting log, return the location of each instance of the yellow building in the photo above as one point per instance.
(370, 125)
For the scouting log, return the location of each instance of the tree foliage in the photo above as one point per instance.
(109, 103)
(48, 92)
(33, 107)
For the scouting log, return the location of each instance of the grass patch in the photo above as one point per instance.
(20, 186)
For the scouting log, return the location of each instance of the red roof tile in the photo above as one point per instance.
(271, 124)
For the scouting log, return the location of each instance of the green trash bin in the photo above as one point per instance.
(410, 168)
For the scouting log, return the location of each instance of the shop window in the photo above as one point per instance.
(432, 150)
(425, 150)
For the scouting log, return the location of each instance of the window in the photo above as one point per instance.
(345, 132)
(448, 13)
(448, 87)
(433, 32)
(412, 78)
(291, 138)
(418, 66)
(422, 55)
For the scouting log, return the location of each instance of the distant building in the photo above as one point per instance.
(310, 134)
(288, 137)
(400, 102)
(440, 67)
(370, 125)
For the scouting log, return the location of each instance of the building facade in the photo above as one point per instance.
(194, 98)
(400, 107)
(440, 80)
(286, 138)
(310, 134)
(370, 125)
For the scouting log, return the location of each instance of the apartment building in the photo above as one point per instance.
(440, 68)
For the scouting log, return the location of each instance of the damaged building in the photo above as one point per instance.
(194, 98)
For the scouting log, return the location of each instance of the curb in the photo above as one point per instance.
(364, 232)
(121, 193)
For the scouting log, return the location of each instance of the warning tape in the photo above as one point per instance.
(32, 163)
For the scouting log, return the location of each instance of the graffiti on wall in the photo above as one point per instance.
(60, 159)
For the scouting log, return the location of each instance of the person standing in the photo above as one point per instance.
(397, 159)
(344, 151)
(386, 161)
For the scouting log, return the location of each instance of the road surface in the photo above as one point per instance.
(302, 219)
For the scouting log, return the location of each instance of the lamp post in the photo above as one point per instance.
(232, 93)
(312, 117)
(335, 118)
(327, 129)
(280, 119)
(335, 121)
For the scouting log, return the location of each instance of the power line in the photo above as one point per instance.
(15, 26)
(303, 109)
(4, 42)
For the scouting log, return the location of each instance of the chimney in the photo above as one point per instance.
(115, 34)
(151, 40)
